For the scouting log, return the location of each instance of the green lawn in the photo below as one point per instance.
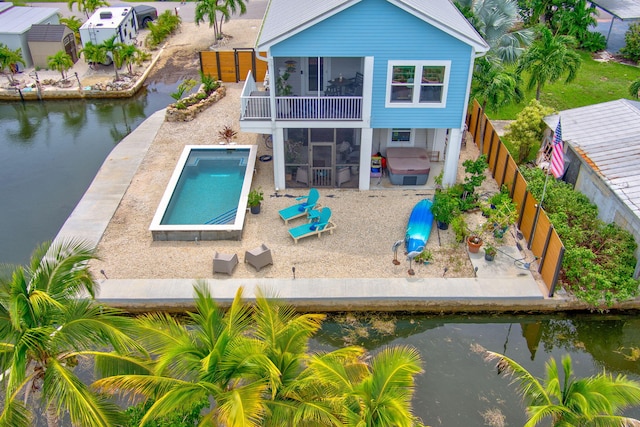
(596, 82)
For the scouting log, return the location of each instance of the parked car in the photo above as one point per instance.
(145, 14)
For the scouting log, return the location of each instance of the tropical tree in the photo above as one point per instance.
(87, 6)
(61, 61)
(114, 48)
(495, 20)
(634, 89)
(212, 10)
(377, 394)
(549, 58)
(73, 23)
(48, 322)
(94, 53)
(129, 54)
(527, 131)
(211, 359)
(8, 59)
(252, 366)
(567, 401)
(495, 86)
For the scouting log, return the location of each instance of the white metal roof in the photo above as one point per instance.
(18, 20)
(607, 136)
(284, 18)
(118, 14)
(622, 9)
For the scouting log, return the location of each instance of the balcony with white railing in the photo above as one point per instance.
(256, 105)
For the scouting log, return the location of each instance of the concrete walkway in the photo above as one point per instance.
(498, 286)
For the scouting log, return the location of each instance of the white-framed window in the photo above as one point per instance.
(421, 84)
(401, 138)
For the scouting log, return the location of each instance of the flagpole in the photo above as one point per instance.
(553, 168)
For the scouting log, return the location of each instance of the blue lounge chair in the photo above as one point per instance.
(300, 209)
(315, 227)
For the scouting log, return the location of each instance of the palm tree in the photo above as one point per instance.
(114, 47)
(129, 55)
(74, 24)
(495, 86)
(295, 395)
(634, 88)
(548, 59)
(230, 7)
(495, 21)
(94, 53)
(87, 6)
(48, 321)
(207, 10)
(61, 61)
(567, 401)
(8, 59)
(210, 359)
(376, 394)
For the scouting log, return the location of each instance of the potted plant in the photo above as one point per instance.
(444, 208)
(490, 252)
(502, 213)
(474, 241)
(254, 200)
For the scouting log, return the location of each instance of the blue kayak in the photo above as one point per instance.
(419, 227)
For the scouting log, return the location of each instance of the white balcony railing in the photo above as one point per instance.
(256, 106)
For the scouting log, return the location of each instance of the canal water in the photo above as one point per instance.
(50, 152)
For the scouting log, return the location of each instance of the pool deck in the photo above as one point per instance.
(498, 286)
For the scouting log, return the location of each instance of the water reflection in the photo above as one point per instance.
(458, 386)
(49, 155)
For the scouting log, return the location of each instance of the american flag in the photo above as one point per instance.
(557, 154)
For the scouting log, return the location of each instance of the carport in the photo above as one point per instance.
(624, 10)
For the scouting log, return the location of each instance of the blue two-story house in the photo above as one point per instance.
(352, 78)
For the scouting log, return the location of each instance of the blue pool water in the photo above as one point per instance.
(208, 191)
(206, 197)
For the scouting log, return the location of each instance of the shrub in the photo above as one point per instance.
(527, 130)
(594, 42)
(631, 49)
(599, 258)
(166, 24)
(209, 84)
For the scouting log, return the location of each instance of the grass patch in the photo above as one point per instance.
(596, 82)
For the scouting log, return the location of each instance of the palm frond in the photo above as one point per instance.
(242, 406)
(530, 387)
(65, 391)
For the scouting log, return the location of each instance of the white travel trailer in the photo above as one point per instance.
(107, 22)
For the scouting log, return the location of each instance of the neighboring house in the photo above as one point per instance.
(602, 152)
(46, 40)
(107, 22)
(15, 23)
(343, 85)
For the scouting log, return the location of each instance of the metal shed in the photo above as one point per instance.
(15, 22)
(602, 142)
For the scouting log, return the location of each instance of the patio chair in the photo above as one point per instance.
(224, 263)
(300, 209)
(259, 257)
(315, 227)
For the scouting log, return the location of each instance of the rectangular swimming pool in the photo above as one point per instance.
(206, 198)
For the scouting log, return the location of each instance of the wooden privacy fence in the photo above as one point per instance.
(233, 66)
(541, 237)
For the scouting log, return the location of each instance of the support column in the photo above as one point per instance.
(366, 143)
(451, 157)
(278, 159)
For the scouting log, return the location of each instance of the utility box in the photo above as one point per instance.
(107, 22)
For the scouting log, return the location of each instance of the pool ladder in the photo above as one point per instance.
(225, 218)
